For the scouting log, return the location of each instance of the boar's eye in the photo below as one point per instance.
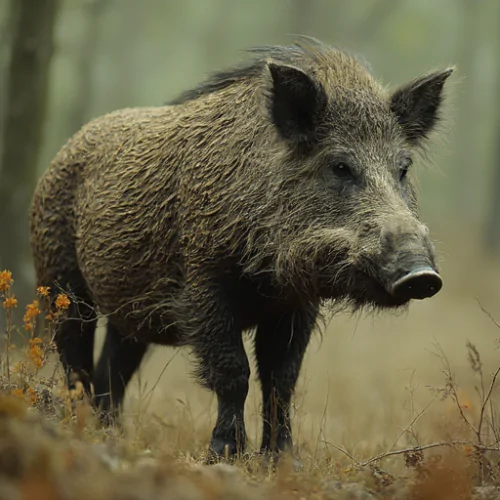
(342, 170)
(404, 166)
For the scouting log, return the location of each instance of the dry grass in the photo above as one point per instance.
(396, 409)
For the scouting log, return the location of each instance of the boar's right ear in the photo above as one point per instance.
(296, 102)
(416, 105)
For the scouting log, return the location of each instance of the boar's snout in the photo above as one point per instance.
(412, 273)
(419, 283)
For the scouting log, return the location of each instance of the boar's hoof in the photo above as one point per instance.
(420, 283)
(222, 448)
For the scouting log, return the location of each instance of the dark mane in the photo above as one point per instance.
(219, 81)
(306, 50)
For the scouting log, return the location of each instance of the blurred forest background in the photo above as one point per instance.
(66, 61)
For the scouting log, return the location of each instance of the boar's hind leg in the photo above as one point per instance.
(216, 338)
(120, 357)
(280, 344)
(74, 337)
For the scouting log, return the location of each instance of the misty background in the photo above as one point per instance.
(64, 62)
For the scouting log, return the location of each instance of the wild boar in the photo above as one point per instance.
(248, 203)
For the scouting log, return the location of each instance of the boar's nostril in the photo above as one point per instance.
(419, 283)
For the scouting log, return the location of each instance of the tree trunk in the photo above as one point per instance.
(32, 25)
(5, 43)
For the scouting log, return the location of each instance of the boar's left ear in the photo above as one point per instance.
(296, 102)
(416, 105)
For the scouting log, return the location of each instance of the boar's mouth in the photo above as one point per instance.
(357, 288)
(367, 290)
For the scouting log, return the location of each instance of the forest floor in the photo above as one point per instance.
(49, 452)
(367, 424)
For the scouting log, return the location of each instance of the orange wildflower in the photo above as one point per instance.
(32, 311)
(62, 301)
(43, 291)
(36, 352)
(5, 280)
(10, 303)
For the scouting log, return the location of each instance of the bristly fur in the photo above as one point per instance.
(304, 46)
(248, 203)
(219, 81)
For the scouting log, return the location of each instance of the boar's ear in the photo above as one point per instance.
(416, 105)
(296, 102)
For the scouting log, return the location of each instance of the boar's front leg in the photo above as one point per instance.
(215, 335)
(280, 344)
